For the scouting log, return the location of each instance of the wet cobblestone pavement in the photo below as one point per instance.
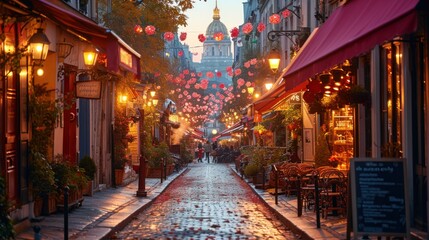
(208, 202)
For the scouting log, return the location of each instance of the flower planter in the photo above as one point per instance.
(154, 172)
(119, 176)
(88, 190)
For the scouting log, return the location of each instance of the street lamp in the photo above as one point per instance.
(141, 191)
(90, 56)
(39, 46)
(274, 60)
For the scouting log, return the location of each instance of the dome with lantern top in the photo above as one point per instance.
(216, 26)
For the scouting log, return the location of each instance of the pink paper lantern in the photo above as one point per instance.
(149, 30)
(261, 27)
(247, 28)
(286, 13)
(275, 18)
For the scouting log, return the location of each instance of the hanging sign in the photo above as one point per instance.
(88, 89)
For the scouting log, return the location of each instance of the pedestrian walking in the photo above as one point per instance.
(200, 152)
(208, 149)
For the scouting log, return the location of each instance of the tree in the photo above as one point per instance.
(165, 15)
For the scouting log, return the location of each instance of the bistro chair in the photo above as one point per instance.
(333, 192)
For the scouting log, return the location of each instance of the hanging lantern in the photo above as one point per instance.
(247, 28)
(234, 32)
(149, 30)
(275, 18)
(218, 74)
(286, 13)
(168, 36)
(261, 27)
(218, 36)
(221, 85)
(201, 38)
(180, 53)
(138, 29)
(183, 36)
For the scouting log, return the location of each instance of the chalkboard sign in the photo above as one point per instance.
(379, 200)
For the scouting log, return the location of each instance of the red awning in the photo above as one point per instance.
(69, 17)
(352, 29)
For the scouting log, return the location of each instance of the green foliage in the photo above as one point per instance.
(322, 152)
(88, 164)
(251, 169)
(158, 154)
(164, 15)
(41, 175)
(121, 137)
(186, 154)
(66, 174)
(44, 112)
(6, 226)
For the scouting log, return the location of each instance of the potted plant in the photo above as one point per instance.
(119, 165)
(88, 165)
(157, 156)
(67, 175)
(6, 226)
(42, 184)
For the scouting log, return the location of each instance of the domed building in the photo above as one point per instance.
(217, 55)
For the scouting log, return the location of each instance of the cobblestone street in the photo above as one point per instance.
(208, 202)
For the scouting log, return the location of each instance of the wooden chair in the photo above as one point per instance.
(333, 192)
(292, 175)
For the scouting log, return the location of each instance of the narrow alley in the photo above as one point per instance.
(207, 202)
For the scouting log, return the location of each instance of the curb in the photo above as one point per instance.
(109, 232)
(128, 219)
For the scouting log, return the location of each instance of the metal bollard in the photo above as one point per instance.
(66, 212)
(37, 234)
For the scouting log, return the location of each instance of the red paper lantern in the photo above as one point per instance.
(168, 36)
(218, 74)
(149, 30)
(183, 36)
(247, 28)
(261, 27)
(221, 85)
(201, 37)
(180, 53)
(138, 29)
(275, 18)
(234, 32)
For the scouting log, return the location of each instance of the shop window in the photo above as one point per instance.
(391, 104)
(342, 121)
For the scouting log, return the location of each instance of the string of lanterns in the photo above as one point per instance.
(247, 28)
